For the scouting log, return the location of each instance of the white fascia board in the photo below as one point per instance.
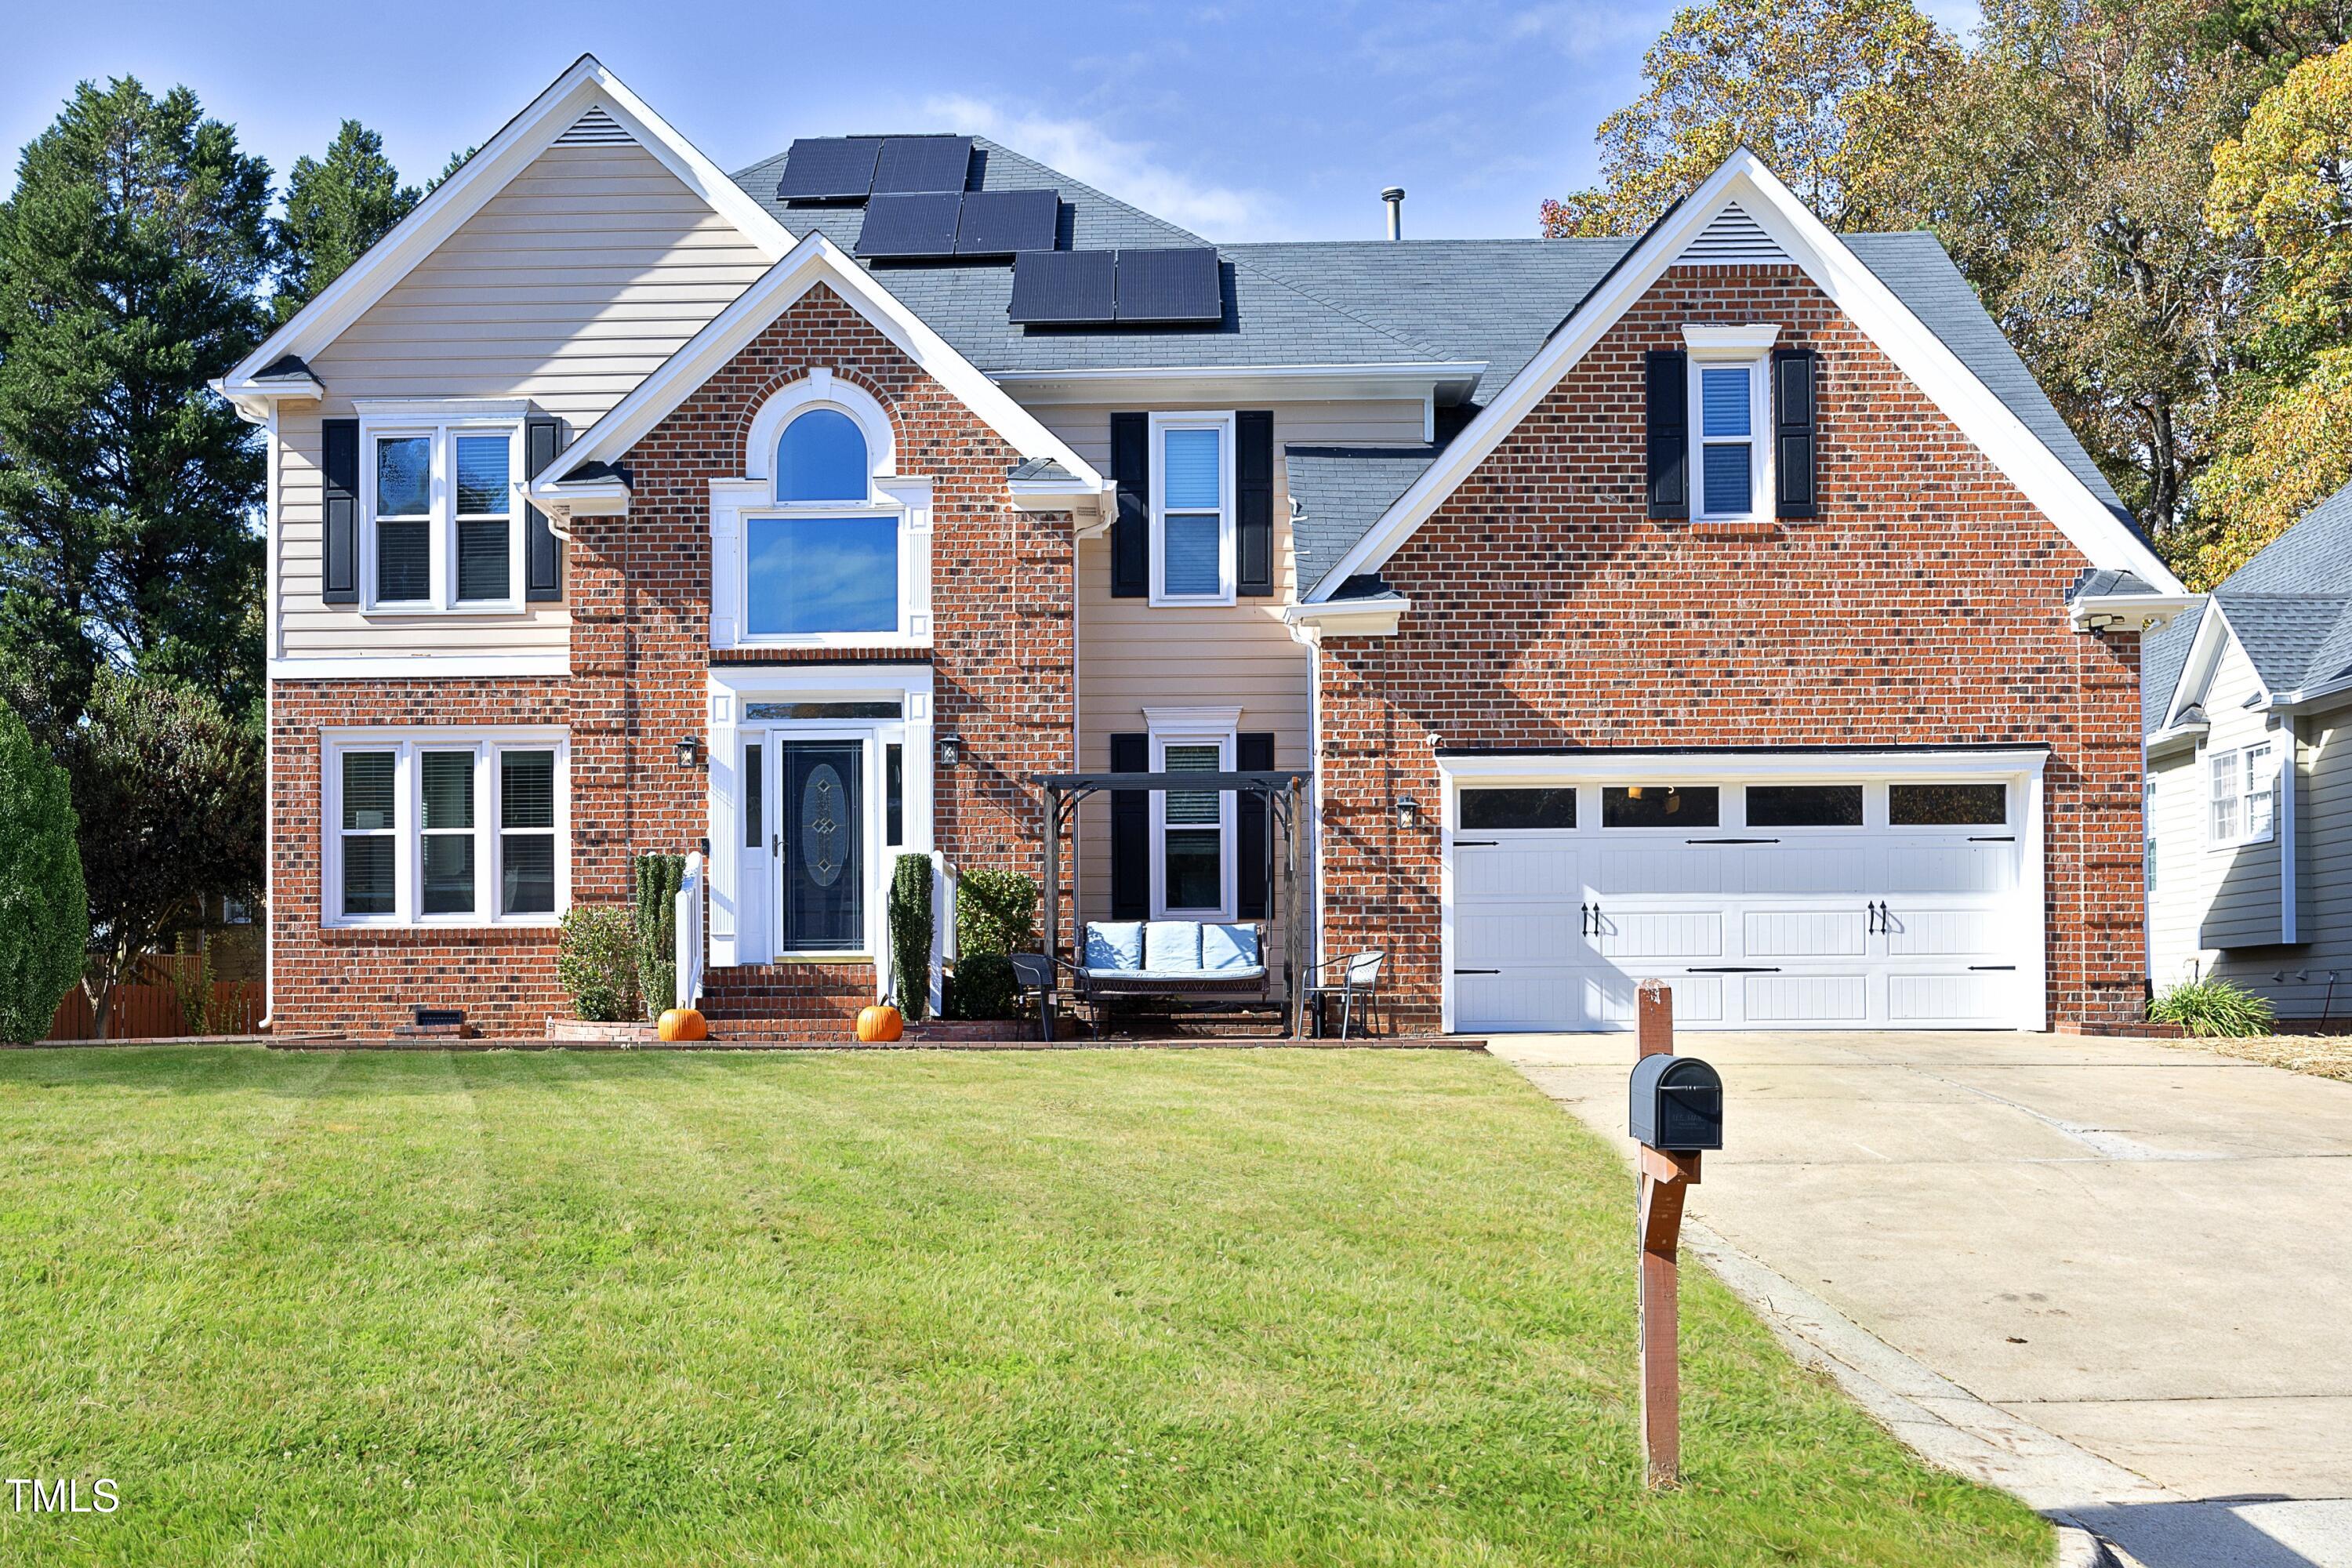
(424, 667)
(814, 260)
(2131, 612)
(1916, 350)
(2177, 735)
(2215, 636)
(1053, 495)
(1351, 617)
(1200, 385)
(586, 85)
(254, 401)
(1677, 767)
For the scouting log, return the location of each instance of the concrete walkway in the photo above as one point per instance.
(2113, 1276)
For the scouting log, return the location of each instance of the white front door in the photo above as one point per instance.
(1858, 903)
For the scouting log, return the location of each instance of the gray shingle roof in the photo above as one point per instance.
(1370, 302)
(1337, 493)
(2279, 605)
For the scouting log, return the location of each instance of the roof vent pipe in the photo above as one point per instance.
(1394, 196)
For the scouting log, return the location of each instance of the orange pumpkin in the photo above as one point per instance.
(682, 1023)
(880, 1023)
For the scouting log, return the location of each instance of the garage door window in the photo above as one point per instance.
(1948, 804)
(1804, 805)
(1494, 810)
(1660, 805)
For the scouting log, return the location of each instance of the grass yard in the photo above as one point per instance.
(1186, 1308)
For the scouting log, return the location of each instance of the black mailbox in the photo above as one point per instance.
(1677, 1104)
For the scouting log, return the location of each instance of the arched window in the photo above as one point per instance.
(822, 457)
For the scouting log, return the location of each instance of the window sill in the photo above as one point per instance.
(432, 928)
(420, 611)
(825, 955)
(1203, 602)
(2215, 846)
(1735, 528)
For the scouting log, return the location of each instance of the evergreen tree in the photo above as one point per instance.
(336, 208)
(44, 922)
(132, 256)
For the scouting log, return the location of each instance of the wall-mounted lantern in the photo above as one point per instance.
(689, 751)
(949, 750)
(1408, 814)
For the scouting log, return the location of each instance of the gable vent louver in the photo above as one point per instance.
(1732, 236)
(596, 129)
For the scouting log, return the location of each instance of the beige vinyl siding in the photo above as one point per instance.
(589, 268)
(1132, 656)
(2176, 908)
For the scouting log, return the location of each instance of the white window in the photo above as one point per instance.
(1193, 508)
(2147, 832)
(443, 529)
(1730, 422)
(2243, 793)
(1193, 861)
(829, 556)
(445, 827)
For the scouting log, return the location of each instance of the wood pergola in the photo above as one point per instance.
(1284, 792)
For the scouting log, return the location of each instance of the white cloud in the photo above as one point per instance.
(1127, 170)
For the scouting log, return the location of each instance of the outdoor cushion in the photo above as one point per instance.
(1172, 946)
(1115, 945)
(1228, 947)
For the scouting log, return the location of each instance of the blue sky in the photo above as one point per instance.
(1242, 121)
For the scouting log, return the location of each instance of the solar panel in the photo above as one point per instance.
(923, 164)
(1065, 288)
(1168, 286)
(829, 169)
(906, 227)
(1001, 222)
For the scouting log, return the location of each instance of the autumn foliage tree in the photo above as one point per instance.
(1822, 91)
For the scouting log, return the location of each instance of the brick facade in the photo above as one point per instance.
(639, 592)
(1926, 605)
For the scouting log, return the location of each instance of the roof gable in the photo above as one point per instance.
(586, 102)
(2085, 515)
(814, 260)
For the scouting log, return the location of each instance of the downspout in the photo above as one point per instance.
(269, 655)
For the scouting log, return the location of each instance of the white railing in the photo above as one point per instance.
(689, 933)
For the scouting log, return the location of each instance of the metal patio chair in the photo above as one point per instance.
(1357, 987)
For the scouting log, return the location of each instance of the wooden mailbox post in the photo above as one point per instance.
(1678, 1104)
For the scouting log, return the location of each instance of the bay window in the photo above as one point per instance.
(2243, 785)
(451, 826)
(1193, 519)
(442, 527)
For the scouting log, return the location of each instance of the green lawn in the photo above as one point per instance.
(1183, 1308)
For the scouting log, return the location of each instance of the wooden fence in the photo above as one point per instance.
(148, 1006)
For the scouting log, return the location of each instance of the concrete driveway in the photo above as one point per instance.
(2115, 1275)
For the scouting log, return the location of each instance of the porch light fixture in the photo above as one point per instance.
(951, 750)
(1408, 814)
(689, 751)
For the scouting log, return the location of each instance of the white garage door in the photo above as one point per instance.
(1849, 904)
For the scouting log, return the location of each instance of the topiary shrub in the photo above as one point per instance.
(910, 935)
(2214, 1006)
(596, 964)
(996, 914)
(44, 915)
(659, 877)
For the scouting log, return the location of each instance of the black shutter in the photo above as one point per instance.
(339, 470)
(542, 552)
(1669, 428)
(1130, 531)
(1254, 502)
(1794, 421)
(1131, 831)
(1253, 754)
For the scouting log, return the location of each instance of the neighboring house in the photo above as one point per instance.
(2247, 706)
(1727, 605)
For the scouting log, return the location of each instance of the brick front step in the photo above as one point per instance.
(800, 994)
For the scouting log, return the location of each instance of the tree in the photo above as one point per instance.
(335, 208)
(2065, 168)
(2285, 185)
(1822, 91)
(167, 786)
(131, 254)
(44, 920)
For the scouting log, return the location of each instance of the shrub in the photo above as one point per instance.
(192, 984)
(996, 914)
(596, 964)
(910, 934)
(659, 877)
(2213, 1007)
(43, 916)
